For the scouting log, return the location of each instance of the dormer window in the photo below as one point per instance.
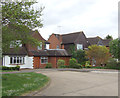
(40, 47)
(57, 46)
(79, 46)
(16, 43)
(47, 46)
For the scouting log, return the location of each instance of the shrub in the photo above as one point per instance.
(87, 64)
(18, 67)
(48, 65)
(112, 63)
(60, 63)
(62, 66)
(10, 68)
(73, 64)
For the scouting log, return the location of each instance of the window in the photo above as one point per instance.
(40, 47)
(44, 60)
(15, 43)
(57, 46)
(47, 46)
(16, 60)
(79, 46)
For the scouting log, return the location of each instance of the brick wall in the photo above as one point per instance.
(54, 41)
(37, 36)
(36, 62)
(52, 60)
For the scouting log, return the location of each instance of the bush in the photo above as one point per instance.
(73, 64)
(112, 64)
(60, 63)
(18, 67)
(10, 68)
(87, 64)
(48, 65)
(62, 66)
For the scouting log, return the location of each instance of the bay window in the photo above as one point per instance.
(17, 60)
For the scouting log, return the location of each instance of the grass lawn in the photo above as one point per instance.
(20, 83)
(8, 70)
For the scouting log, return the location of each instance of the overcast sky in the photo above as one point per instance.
(93, 17)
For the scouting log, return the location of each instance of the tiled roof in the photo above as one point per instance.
(71, 37)
(20, 51)
(106, 42)
(51, 52)
(93, 40)
(98, 40)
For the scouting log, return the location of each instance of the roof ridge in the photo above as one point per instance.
(72, 33)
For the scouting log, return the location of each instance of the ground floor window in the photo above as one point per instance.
(17, 60)
(44, 60)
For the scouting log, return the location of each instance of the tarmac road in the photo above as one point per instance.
(72, 83)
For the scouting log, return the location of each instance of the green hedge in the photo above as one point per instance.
(48, 65)
(10, 68)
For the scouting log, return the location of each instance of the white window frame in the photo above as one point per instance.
(79, 46)
(17, 60)
(45, 60)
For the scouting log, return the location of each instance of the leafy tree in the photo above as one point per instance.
(99, 53)
(18, 20)
(115, 48)
(80, 56)
(108, 37)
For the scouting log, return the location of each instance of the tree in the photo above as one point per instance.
(98, 53)
(18, 20)
(108, 37)
(80, 56)
(115, 48)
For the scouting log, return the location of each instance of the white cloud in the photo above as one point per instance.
(94, 17)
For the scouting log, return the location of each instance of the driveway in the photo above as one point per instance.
(72, 83)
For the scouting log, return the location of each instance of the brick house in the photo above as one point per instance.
(29, 56)
(98, 41)
(77, 39)
(67, 41)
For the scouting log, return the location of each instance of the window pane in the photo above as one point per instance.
(20, 60)
(23, 60)
(11, 60)
(14, 60)
(17, 60)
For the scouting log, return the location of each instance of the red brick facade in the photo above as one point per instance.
(54, 41)
(52, 60)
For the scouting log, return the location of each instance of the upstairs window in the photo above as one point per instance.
(47, 46)
(40, 47)
(17, 60)
(79, 46)
(16, 43)
(44, 60)
(57, 46)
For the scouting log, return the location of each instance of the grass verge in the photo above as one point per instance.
(20, 83)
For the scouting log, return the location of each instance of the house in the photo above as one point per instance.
(77, 40)
(98, 41)
(28, 56)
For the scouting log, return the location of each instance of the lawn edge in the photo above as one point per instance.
(32, 93)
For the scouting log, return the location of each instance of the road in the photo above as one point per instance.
(72, 83)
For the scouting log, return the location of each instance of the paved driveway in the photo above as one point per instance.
(71, 83)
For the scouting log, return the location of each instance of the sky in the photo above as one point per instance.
(93, 17)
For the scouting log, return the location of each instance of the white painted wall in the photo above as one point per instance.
(28, 62)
